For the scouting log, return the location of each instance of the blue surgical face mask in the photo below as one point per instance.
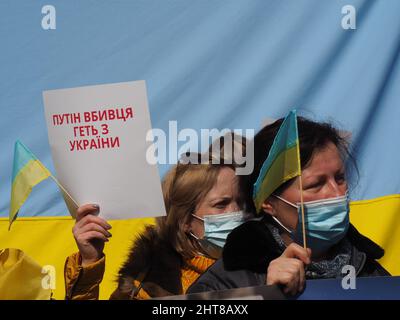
(326, 222)
(218, 226)
(208, 248)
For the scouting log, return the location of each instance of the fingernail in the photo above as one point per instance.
(108, 227)
(96, 206)
(109, 234)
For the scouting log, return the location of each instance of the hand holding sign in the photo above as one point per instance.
(90, 233)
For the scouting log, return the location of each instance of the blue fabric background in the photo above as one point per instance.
(208, 64)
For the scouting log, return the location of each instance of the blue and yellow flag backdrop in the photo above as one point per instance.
(207, 64)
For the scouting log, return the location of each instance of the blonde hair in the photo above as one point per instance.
(184, 187)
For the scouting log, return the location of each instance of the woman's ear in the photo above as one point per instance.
(268, 207)
(187, 226)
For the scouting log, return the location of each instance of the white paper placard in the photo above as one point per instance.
(98, 142)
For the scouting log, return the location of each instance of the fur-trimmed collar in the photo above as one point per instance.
(152, 262)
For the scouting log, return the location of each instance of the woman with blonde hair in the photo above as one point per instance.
(203, 205)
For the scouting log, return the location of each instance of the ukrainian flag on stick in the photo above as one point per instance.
(28, 171)
(282, 164)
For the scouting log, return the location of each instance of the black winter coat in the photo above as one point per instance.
(251, 247)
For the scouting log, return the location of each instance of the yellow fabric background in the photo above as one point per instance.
(21, 277)
(49, 240)
(379, 220)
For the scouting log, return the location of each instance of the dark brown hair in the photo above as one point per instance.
(313, 137)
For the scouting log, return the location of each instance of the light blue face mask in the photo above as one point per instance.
(326, 222)
(218, 226)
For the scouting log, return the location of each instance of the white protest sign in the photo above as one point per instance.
(98, 142)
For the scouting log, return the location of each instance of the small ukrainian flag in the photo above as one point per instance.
(282, 163)
(28, 171)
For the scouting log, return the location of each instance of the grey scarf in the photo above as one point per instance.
(324, 269)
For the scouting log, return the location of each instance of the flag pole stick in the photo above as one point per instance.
(302, 213)
(300, 185)
(57, 182)
(63, 189)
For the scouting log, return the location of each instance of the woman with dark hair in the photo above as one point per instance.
(268, 250)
